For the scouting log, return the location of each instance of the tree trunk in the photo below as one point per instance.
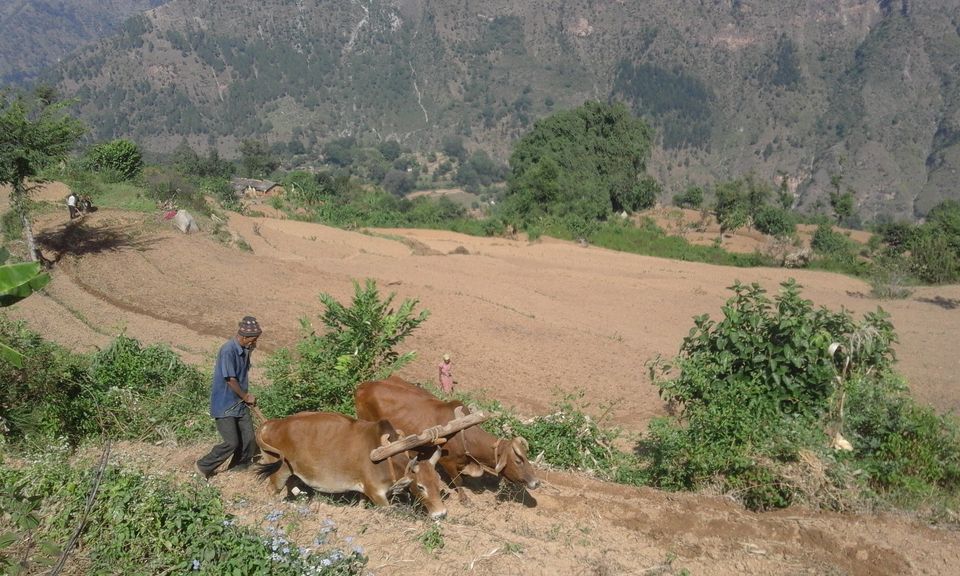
(19, 201)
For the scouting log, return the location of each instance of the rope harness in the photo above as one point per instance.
(484, 467)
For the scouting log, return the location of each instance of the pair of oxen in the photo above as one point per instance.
(334, 453)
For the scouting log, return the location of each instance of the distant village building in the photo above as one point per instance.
(249, 188)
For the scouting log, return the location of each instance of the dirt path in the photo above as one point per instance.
(576, 525)
(523, 322)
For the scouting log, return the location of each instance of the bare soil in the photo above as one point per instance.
(524, 322)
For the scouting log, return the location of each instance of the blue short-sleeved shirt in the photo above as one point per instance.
(232, 362)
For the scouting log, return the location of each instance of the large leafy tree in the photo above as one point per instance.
(34, 132)
(582, 163)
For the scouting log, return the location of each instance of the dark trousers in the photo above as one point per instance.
(238, 441)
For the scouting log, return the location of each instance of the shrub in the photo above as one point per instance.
(152, 392)
(359, 345)
(932, 258)
(774, 221)
(691, 198)
(764, 367)
(126, 391)
(50, 397)
(150, 525)
(908, 453)
(121, 158)
(889, 277)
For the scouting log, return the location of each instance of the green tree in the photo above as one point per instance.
(256, 159)
(691, 198)
(34, 133)
(595, 156)
(731, 207)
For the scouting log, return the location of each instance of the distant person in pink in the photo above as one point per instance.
(446, 375)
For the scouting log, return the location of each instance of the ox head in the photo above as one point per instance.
(513, 464)
(426, 486)
(420, 478)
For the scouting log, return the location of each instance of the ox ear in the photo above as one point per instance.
(400, 485)
(503, 456)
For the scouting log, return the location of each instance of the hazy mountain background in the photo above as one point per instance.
(35, 34)
(807, 89)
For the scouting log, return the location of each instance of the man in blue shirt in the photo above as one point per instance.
(229, 399)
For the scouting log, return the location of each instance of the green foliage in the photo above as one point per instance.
(837, 250)
(359, 344)
(731, 206)
(186, 161)
(889, 277)
(256, 159)
(165, 185)
(567, 438)
(909, 454)
(157, 525)
(34, 134)
(774, 221)
(48, 397)
(647, 238)
(125, 391)
(121, 159)
(932, 258)
(691, 198)
(582, 163)
(432, 538)
(753, 389)
(17, 281)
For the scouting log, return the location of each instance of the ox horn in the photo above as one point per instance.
(434, 435)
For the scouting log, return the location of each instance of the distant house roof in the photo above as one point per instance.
(243, 185)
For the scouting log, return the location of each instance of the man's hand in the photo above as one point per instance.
(249, 399)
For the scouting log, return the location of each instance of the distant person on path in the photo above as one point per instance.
(229, 399)
(72, 205)
(446, 375)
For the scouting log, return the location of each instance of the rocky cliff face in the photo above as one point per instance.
(806, 91)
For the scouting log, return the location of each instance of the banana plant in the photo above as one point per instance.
(17, 281)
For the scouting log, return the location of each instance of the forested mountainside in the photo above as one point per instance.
(811, 90)
(38, 33)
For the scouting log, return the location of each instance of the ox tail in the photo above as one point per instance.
(264, 471)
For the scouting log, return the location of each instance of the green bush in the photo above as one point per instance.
(150, 525)
(566, 438)
(774, 221)
(155, 394)
(50, 397)
(764, 367)
(909, 454)
(691, 198)
(359, 345)
(125, 391)
(121, 159)
(932, 259)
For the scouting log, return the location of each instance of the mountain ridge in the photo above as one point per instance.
(804, 91)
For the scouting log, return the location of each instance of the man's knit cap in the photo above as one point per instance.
(249, 327)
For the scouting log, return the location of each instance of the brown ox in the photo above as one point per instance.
(472, 451)
(332, 453)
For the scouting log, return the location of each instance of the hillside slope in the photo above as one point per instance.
(35, 35)
(522, 321)
(862, 89)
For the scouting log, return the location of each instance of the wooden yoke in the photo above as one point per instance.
(435, 435)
